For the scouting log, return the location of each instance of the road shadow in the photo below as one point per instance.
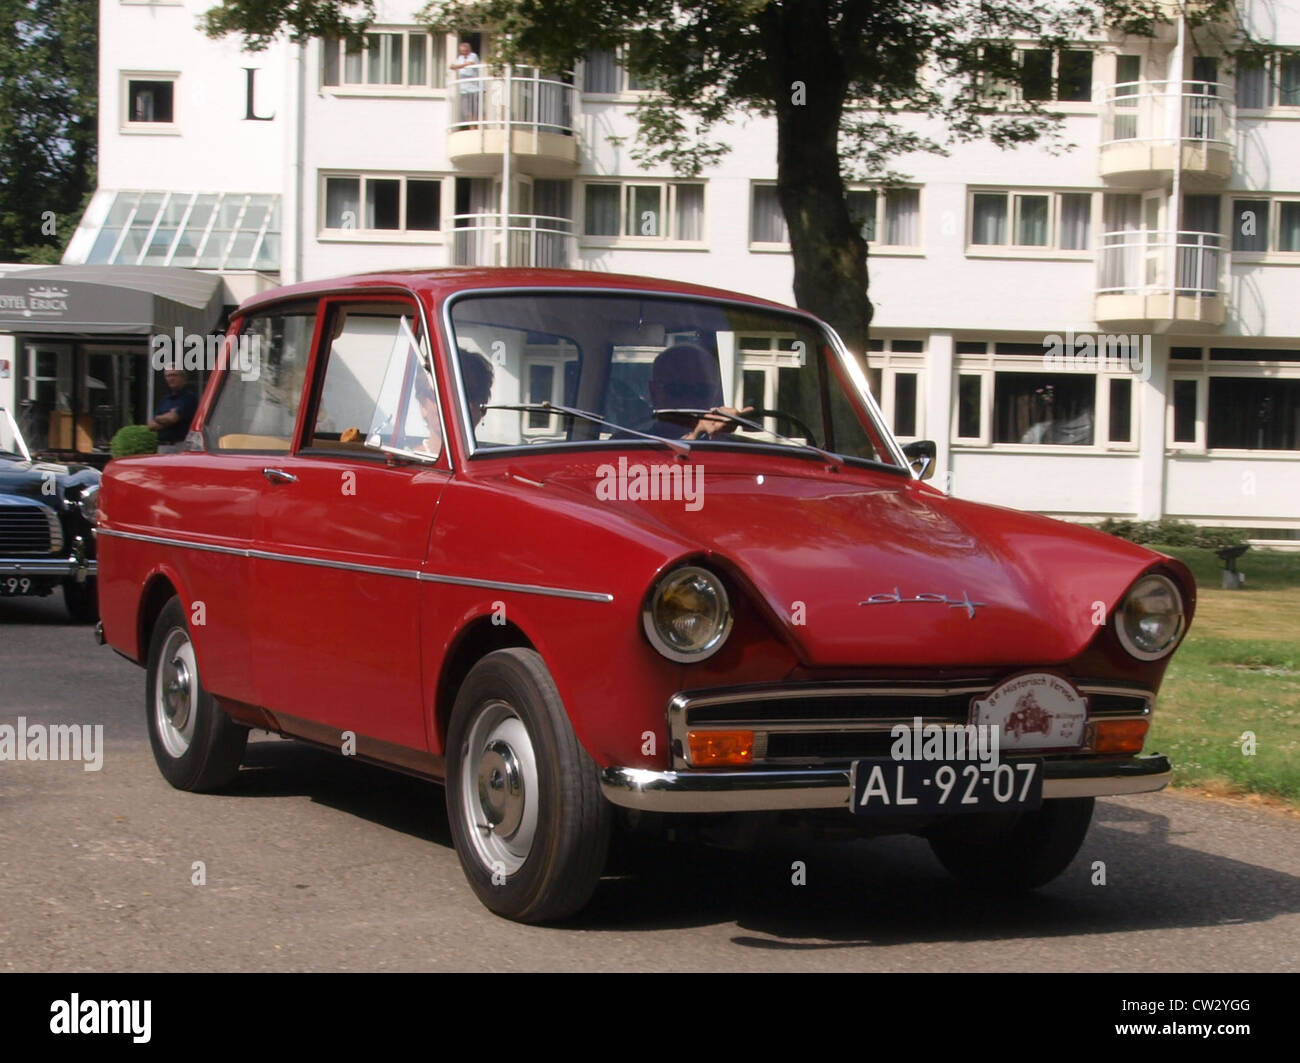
(860, 894)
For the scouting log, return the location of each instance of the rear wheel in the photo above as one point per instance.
(195, 744)
(1016, 853)
(530, 824)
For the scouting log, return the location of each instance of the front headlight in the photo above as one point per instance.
(687, 616)
(88, 503)
(1150, 619)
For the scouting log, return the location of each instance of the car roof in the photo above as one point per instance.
(439, 283)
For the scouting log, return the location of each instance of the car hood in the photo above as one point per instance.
(863, 567)
(29, 478)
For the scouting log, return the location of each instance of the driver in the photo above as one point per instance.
(685, 376)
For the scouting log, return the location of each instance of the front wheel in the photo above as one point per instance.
(530, 824)
(1016, 853)
(195, 744)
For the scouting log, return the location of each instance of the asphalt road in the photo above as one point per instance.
(314, 862)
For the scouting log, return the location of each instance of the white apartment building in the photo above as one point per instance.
(1169, 234)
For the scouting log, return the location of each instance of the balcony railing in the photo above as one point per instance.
(1149, 275)
(1138, 262)
(538, 103)
(1148, 111)
(529, 240)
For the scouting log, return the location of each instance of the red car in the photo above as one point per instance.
(601, 552)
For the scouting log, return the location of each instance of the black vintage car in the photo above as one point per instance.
(47, 515)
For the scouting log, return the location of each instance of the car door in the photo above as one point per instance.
(341, 533)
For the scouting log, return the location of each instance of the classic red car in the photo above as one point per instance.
(599, 552)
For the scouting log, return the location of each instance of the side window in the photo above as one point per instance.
(376, 392)
(258, 403)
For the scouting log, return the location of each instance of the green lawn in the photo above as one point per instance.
(1238, 670)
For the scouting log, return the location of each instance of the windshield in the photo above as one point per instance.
(654, 366)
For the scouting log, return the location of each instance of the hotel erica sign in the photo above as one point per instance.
(43, 302)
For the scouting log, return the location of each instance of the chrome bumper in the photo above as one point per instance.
(57, 566)
(804, 788)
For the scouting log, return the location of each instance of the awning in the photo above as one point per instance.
(109, 300)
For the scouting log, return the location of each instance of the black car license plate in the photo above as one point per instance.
(12, 586)
(881, 784)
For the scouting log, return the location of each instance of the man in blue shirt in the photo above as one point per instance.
(175, 412)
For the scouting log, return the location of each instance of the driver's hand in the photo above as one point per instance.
(715, 426)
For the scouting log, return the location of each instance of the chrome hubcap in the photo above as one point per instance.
(499, 789)
(176, 693)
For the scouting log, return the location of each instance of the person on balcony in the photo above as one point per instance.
(470, 83)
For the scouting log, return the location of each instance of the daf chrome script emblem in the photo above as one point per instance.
(963, 602)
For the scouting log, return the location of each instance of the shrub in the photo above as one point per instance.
(134, 439)
(1170, 532)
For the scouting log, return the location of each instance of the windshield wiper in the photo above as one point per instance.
(569, 411)
(833, 459)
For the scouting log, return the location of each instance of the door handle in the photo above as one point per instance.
(279, 476)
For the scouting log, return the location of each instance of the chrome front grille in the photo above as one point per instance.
(29, 531)
(834, 723)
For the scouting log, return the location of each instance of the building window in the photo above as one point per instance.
(1184, 410)
(1043, 74)
(149, 101)
(1120, 429)
(1264, 225)
(1049, 408)
(970, 407)
(389, 59)
(894, 373)
(1031, 220)
(643, 210)
(1273, 81)
(1251, 413)
(605, 73)
(387, 204)
(891, 218)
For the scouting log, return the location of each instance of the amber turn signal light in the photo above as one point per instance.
(1121, 736)
(714, 749)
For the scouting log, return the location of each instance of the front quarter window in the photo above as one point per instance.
(257, 406)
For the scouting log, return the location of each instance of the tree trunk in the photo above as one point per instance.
(830, 256)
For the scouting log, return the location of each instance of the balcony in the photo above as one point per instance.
(1148, 276)
(529, 240)
(1149, 128)
(540, 111)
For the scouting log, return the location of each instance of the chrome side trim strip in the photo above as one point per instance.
(347, 566)
(373, 570)
(162, 540)
(519, 588)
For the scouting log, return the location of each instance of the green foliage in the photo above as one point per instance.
(835, 74)
(48, 123)
(1169, 532)
(133, 439)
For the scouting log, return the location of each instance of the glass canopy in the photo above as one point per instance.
(200, 230)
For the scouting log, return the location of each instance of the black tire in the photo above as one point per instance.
(1017, 853)
(82, 600)
(514, 761)
(195, 744)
